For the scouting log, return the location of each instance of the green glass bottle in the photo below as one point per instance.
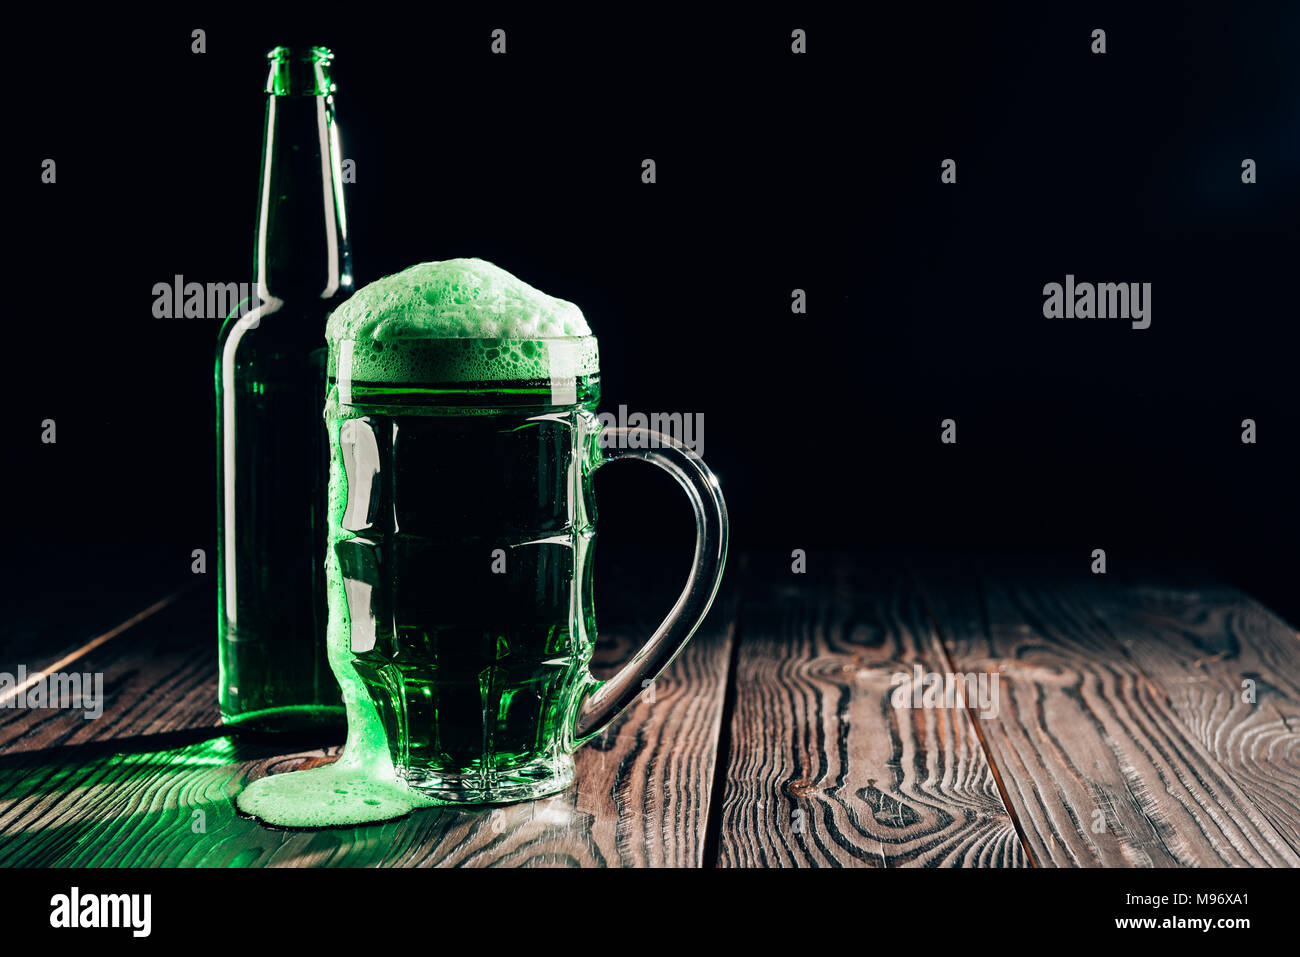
(272, 449)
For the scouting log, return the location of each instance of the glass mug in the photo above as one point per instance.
(461, 525)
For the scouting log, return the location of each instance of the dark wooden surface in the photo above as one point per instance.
(822, 769)
(1147, 717)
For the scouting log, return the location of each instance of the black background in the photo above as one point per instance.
(775, 171)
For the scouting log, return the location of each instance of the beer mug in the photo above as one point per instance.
(460, 559)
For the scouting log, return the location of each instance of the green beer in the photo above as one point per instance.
(460, 411)
(463, 524)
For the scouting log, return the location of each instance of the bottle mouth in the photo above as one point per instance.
(300, 71)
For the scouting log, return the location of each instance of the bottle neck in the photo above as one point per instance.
(301, 248)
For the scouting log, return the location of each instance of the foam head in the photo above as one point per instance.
(454, 299)
(458, 320)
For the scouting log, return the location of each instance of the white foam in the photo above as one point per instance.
(454, 299)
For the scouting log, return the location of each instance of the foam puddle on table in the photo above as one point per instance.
(360, 788)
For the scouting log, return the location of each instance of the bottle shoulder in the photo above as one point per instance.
(261, 344)
(280, 321)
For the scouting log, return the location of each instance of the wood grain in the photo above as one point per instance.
(1230, 670)
(124, 790)
(823, 769)
(1099, 765)
(1121, 736)
(158, 677)
(56, 596)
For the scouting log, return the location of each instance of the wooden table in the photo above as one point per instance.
(1123, 732)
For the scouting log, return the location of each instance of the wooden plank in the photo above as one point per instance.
(823, 769)
(1097, 766)
(1229, 669)
(159, 676)
(129, 796)
(57, 597)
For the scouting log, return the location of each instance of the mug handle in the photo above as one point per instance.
(609, 698)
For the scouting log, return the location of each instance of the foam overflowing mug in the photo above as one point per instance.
(463, 437)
